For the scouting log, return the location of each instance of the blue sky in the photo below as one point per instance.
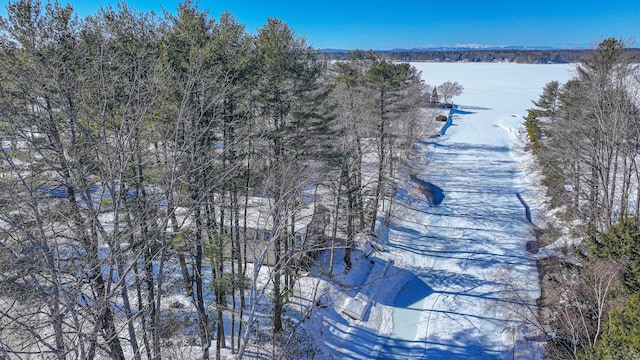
(382, 25)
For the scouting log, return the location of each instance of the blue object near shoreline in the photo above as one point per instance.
(453, 110)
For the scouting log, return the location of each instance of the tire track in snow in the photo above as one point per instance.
(435, 302)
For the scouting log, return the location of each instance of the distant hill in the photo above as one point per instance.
(517, 54)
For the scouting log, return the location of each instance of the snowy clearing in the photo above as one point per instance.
(456, 269)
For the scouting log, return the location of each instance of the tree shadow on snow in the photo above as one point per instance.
(413, 291)
(433, 193)
(465, 347)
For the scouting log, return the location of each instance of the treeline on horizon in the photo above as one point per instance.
(522, 56)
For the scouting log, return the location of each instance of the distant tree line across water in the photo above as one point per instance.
(551, 56)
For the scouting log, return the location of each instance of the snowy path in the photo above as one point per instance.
(467, 254)
(459, 249)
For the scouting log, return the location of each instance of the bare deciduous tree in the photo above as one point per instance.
(448, 90)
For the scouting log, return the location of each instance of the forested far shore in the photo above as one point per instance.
(551, 56)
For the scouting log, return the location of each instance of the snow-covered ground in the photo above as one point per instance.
(455, 271)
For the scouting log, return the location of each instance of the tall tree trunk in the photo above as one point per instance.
(220, 289)
(141, 310)
(381, 162)
(235, 260)
(203, 323)
(245, 258)
(127, 310)
(351, 203)
(334, 230)
(277, 292)
(360, 187)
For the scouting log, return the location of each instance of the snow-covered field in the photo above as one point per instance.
(456, 270)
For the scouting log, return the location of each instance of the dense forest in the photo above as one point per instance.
(152, 165)
(585, 134)
(551, 56)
